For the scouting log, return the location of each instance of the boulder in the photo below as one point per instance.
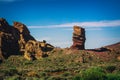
(78, 38)
(32, 50)
(36, 50)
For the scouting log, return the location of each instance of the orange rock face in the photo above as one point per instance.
(78, 38)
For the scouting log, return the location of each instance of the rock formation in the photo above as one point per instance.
(8, 39)
(78, 38)
(36, 49)
(32, 50)
(16, 39)
(24, 34)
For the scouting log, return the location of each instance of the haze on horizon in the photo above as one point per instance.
(53, 20)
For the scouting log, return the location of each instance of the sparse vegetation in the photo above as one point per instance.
(60, 66)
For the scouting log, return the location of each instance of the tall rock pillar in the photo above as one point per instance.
(78, 38)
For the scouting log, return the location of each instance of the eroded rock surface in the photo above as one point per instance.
(8, 39)
(78, 38)
(36, 49)
(16, 40)
(24, 34)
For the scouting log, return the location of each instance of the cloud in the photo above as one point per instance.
(103, 23)
(91, 29)
(88, 29)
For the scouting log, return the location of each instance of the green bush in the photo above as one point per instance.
(77, 77)
(113, 77)
(95, 73)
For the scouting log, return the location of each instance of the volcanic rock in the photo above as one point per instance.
(24, 34)
(36, 49)
(78, 38)
(32, 48)
(16, 39)
(8, 39)
(12, 38)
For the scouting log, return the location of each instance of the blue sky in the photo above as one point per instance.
(53, 20)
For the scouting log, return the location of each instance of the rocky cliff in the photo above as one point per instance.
(24, 34)
(16, 40)
(13, 38)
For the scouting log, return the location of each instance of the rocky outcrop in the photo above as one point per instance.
(36, 49)
(16, 39)
(24, 34)
(78, 38)
(32, 50)
(8, 39)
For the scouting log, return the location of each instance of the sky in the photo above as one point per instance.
(53, 20)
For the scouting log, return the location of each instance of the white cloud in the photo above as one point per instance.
(91, 29)
(88, 29)
(103, 23)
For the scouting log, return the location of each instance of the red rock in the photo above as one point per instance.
(78, 38)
